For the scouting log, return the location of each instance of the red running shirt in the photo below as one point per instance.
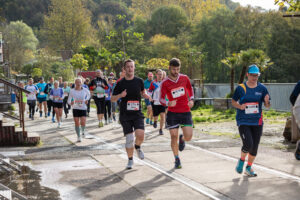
(180, 90)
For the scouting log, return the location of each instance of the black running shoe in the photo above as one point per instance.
(178, 164)
(181, 143)
(297, 152)
(155, 124)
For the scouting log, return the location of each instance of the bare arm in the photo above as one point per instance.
(237, 105)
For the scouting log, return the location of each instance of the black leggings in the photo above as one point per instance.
(250, 136)
(107, 109)
(31, 105)
(50, 105)
(100, 104)
(67, 107)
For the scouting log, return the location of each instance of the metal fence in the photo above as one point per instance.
(279, 92)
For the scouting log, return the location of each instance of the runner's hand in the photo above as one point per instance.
(243, 107)
(86, 102)
(172, 103)
(267, 99)
(124, 93)
(191, 103)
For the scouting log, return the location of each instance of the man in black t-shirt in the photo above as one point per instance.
(131, 89)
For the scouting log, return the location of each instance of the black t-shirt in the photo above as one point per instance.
(98, 81)
(131, 103)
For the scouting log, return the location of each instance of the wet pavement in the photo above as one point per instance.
(61, 168)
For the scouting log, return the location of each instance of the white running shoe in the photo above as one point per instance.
(109, 120)
(140, 154)
(83, 135)
(129, 164)
(59, 125)
(78, 139)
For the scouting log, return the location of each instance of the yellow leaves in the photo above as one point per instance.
(158, 63)
(156, 39)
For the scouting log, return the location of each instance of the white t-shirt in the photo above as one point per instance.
(79, 97)
(33, 91)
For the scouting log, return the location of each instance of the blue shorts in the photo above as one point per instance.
(147, 102)
(41, 100)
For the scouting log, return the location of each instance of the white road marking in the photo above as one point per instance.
(208, 141)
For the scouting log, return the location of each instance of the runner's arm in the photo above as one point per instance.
(162, 95)
(190, 89)
(70, 97)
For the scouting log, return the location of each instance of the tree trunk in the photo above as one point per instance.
(231, 81)
(243, 74)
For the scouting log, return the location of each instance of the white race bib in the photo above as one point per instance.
(100, 95)
(42, 93)
(252, 108)
(133, 105)
(66, 94)
(178, 92)
(78, 103)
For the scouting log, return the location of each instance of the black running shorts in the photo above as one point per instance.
(175, 120)
(157, 109)
(132, 123)
(57, 105)
(79, 113)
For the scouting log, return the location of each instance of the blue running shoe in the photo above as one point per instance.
(250, 172)
(239, 166)
(181, 143)
(151, 122)
(147, 121)
(48, 114)
(177, 163)
(53, 120)
(41, 114)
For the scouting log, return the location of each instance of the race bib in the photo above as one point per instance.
(78, 103)
(31, 95)
(252, 108)
(133, 105)
(56, 98)
(178, 92)
(100, 95)
(66, 94)
(42, 93)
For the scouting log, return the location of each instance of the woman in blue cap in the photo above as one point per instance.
(247, 99)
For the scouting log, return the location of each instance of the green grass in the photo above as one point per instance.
(207, 114)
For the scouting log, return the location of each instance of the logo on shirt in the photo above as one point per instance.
(258, 93)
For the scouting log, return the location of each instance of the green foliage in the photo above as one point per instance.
(36, 72)
(294, 5)
(157, 63)
(78, 62)
(22, 42)
(168, 20)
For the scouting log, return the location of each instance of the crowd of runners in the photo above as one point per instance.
(168, 98)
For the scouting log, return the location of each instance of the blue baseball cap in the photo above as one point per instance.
(253, 69)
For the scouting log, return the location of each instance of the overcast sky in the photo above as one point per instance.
(266, 4)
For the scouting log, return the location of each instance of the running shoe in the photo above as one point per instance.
(59, 125)
(155, 124)
(161, 132)
(250, 172)
(181, 143)
(83, 135)
(37, 110)
(48, 114)
(151, 122)
(129, 164)
(114, 117)
(140, 153)
(66, 116)
(100, 124)
(53, 120)
(32, 117)
(147, 121)
(45, 115)
(297, 152)
(109, 120)
(78, 139)
(106, 122)
(177, 163)
(41, 114)
(239, 166)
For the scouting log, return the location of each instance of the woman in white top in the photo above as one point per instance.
(78, 99)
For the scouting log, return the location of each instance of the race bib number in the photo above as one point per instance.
(251, 108)
(100, 95)
(65, 94)
(133, 105)
(31, 95)
(78, 103)
(42, 93)
(56, 98)
(178, 92)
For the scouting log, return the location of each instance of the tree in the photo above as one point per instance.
(168, 20)
(21, 43)
(67, 26)
(78, 62)
(164, 47)
(231, 62)
(294, 5)
(36, 72)
(157, 63)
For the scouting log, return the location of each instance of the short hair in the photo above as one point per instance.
(159, 70)
(56, 82)
(30, 79)
(175, 62)
(78, 79)
(127, 61)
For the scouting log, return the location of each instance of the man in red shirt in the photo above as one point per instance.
(178, 89)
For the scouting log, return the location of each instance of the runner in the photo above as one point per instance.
(98, 87)
(78, 98)
(247, 99)
(113, 104)
(48, 88)
(157, 108)
(60, 82)
(31, 98)
(147, 83)
(86, 85)
(57, 95)
(24, 96)
(130, 89)
(42, 97)
(178, 89)
(107, 112)
(67, 107)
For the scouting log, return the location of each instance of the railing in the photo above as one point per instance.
(21, 111)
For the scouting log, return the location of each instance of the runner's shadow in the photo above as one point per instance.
(239, 187)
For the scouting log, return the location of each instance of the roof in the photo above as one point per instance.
(91, 75)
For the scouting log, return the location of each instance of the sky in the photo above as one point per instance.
(266, 4)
